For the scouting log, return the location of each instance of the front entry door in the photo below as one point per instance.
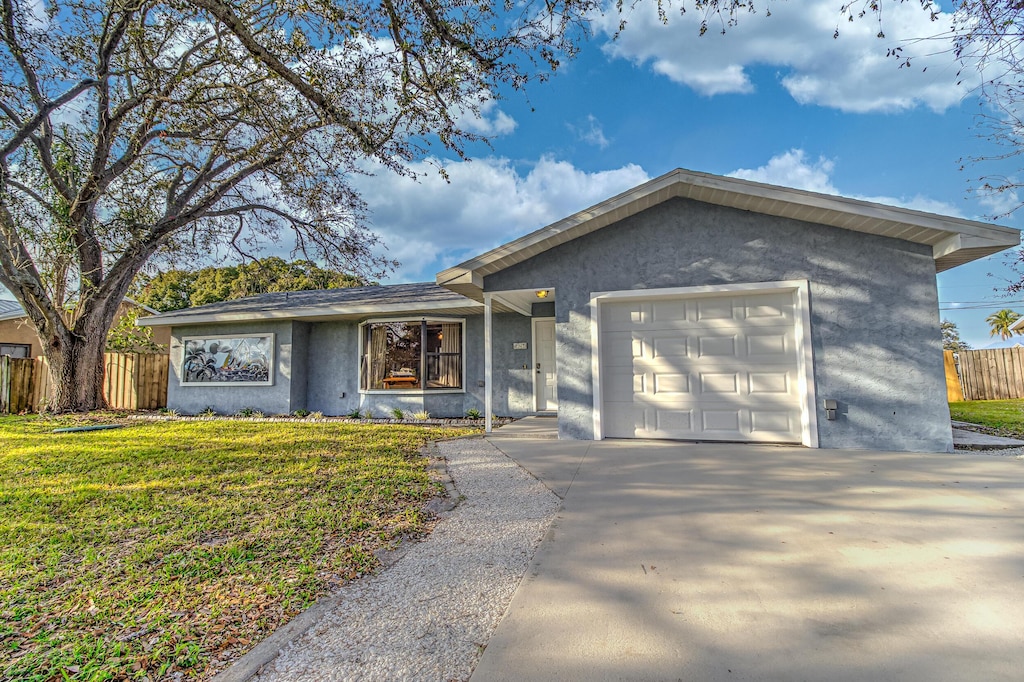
(545, 380)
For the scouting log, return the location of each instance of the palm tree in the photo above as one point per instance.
(1002, 323)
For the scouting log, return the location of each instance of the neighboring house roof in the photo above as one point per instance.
(10, 310)
(324, 304)
(954, 241)
(1012, 342)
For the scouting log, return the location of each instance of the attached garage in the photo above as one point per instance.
(698, 307)
(726, 364)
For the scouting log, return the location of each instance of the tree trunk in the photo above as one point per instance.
(76, 370)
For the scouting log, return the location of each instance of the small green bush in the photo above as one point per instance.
(397, 413)
(249, 412)
(473, 414)
(300, 413)
(355, 414)
(421, 415)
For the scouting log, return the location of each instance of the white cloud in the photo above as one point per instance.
(850, 73)
(793, 169)
(487, 203)
(999, 204)
(591, 131)
(490, 121)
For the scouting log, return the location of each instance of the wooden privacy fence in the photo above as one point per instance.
(995, 374)
(132, 381)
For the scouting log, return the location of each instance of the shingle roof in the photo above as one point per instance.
(9, 309)
(323, 304)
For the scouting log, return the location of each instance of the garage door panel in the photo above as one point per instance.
(769, 345)
(671, 385)
(761, 383)
(720, 368)
(777, 306)
(719, 383)
(622, 381)
(626, 316)
(717, 346)
(669, 346)
(671, 312)
(673, 422)
(622, 348)
(715, 309)
(773, 421)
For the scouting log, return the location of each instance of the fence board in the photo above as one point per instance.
(131, 382)
(992, 374)
(954, 393)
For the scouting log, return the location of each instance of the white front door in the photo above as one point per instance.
(545, 379)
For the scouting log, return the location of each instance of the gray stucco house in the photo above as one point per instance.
(691, 307)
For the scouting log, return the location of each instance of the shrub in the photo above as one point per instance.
(249, 412)
(355, 414)
(300, 413)
(421, 415)
(397, 413)
(208, 412)
(473, 414)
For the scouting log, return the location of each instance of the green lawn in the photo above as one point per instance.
(1002, 417)
(173, 547)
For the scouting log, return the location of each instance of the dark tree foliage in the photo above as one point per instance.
(951, 337)
(177, 289)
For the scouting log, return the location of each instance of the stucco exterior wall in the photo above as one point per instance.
(333, 368)
(324, 359)
(873, 305)
(20, 330)
(229, 398)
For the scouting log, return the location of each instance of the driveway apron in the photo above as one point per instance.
(672, 561)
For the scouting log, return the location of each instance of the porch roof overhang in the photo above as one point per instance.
(954, 241)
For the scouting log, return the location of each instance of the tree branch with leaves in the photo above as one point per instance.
(135, 131)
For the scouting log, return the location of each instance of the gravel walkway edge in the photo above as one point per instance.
(429, 613)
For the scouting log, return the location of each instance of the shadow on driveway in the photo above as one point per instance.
(740, 562)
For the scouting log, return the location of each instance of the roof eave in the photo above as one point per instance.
(321, 312)
(955, 241)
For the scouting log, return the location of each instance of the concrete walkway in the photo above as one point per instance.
(964, 437)
(674, 561)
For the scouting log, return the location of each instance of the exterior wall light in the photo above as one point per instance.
(542, 293)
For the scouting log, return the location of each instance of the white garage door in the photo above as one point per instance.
(710, 368)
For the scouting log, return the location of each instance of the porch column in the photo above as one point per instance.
(488, 365)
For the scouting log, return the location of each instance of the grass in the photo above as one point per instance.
(1000, 417)
(169, 549)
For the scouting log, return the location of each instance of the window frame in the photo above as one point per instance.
(410, 320)
(26, 346)
(271, 359)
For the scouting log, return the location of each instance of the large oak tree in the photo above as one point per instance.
(135, 129)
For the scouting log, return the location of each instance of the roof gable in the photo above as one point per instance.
(954, 241)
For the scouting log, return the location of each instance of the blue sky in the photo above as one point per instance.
(775, 99)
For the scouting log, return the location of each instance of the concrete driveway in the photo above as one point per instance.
(702, 562)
